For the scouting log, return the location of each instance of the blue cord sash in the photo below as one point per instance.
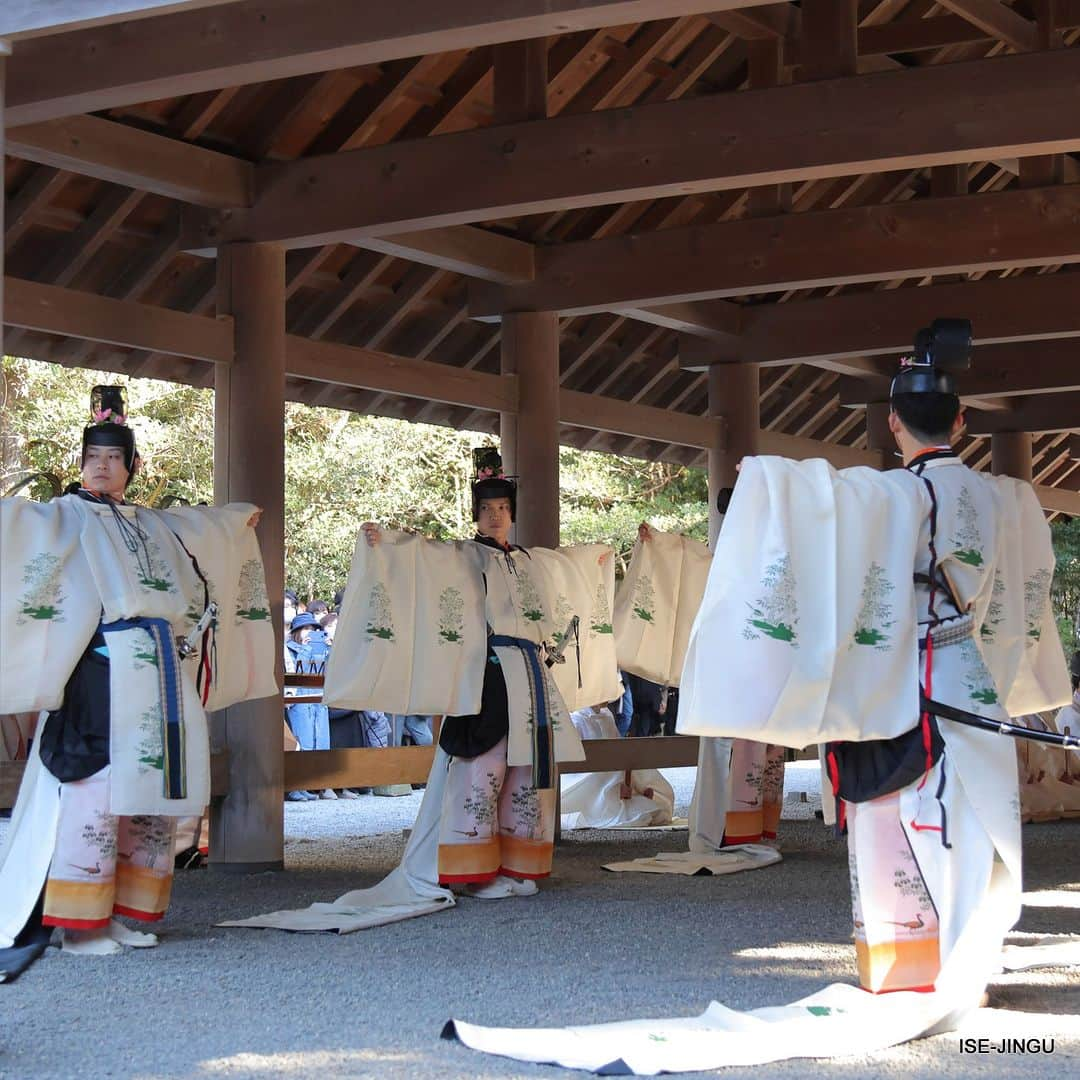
(543, 745)
(169, 696)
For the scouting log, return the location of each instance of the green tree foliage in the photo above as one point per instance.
(1065, 589)
(341, 469)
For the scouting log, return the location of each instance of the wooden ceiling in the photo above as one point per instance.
(782, 184)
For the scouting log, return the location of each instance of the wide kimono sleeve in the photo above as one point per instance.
(1018, 634)
(657, 603)
(807, 630)
(243, 663)
(49, 604)
(580, 581)
(412, 636)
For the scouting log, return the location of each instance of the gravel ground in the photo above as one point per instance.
(593, 946)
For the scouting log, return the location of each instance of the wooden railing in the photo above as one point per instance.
(372, 767)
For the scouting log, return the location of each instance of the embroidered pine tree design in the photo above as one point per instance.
(157, 578)
(532, 607)
(380, 622)
(968, 539)
(480, 804)
(601, 613)
(776, 614)
(772, 780)
(100, 835)
(644, 600)
(563, 614)
(152, 837)
(1036, 594)
(978, 680)
(526, 806)
(252, 603)
(43, 598)
(451, 616)
(995, 610)
(874, 619)
(146, 652)
(151, 750)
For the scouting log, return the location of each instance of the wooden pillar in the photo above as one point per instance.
(1043, 170)
(878, 435)
(520, 81)
(1010, 454)
(734, 396)
(5, 52)
(246, 827)
(830, 46)
(530, 437)
(530, 340)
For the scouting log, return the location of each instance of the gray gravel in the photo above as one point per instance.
(593, 946)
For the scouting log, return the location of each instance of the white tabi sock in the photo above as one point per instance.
(89, 943)
(134, 939)
(501, 888)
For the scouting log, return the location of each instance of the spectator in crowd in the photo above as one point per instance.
(318, 608)
(306, 652)
(655, 707)
(329, 626)
(623, 709)
(292, 607)
(339, 599)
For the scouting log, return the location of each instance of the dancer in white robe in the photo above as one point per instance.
(465, 630)
(97, 596)
(923, 601)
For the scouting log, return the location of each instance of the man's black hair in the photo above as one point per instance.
(318, 607)
(290, 595)
(928, 416)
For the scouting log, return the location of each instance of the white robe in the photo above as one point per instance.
(65, 569)
(807, 632)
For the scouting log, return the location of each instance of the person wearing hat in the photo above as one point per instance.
(109, 628)
(306, 653)
(497, 820)
(816, 634)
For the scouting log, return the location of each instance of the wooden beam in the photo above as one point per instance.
(921, 237)
(596, 413)
(361, 767)
(1054, 412)
(261, 40)
(33, 18)
(30, 305)
(366, 369)
(463, 249)
(998, 20)
(122, 154)
(1002, 107)
(718, 322)
(883, 322)
(1058, 499)
(998, 372)
(800, 448)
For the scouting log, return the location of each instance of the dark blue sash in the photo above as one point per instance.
(172, 710)
(543, 745)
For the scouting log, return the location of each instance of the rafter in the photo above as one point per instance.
(122, 154)
(916, 238)
(1005, 106)
(248, 41)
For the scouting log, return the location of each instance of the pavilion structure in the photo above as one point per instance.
(681, 229)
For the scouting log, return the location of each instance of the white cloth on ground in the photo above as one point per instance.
(593, 800)
(412, 888)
